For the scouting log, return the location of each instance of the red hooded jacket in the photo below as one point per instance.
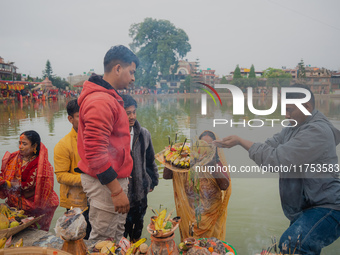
(103, 132)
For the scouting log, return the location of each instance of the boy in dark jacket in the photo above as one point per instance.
(144, 172)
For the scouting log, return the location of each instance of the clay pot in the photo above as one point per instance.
(163, 246)
(76, 247)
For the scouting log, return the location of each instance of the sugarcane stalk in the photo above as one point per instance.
(152, 210)
(296, 244)
(183, 145)
(299, 245)
(171, 212)
(190, 229)
(298, 241)
(85, 209)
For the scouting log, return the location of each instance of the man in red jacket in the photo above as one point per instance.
(104, 143)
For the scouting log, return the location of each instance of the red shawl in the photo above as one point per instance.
(45, 200)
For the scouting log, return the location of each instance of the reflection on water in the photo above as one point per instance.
(13, 114)
(254, 212)
(163, 117)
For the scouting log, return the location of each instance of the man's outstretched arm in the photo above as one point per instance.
(233, 140)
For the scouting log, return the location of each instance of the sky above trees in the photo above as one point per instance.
(75, 35)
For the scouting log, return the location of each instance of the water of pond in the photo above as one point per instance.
(254, 210)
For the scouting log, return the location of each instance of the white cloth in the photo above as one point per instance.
(131, 142)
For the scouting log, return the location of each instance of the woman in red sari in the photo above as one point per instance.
(26, 179)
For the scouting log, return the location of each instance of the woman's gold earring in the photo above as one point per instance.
(35, 150)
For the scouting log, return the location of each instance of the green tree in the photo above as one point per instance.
(301, 70)
(252, 72)
(158, 45)
(224, 80)
(29, 78)
(59, 82)
(277, 77)
(237, 73)
(7, 78)
(252, 82)
(37, 79)
(164, 86)
(276, 73)
(48, 72)
(238, 79)
(186, 84)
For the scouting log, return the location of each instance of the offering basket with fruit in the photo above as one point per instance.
(175, 157)
(180, 157)
(12, 221)
(162, 226)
